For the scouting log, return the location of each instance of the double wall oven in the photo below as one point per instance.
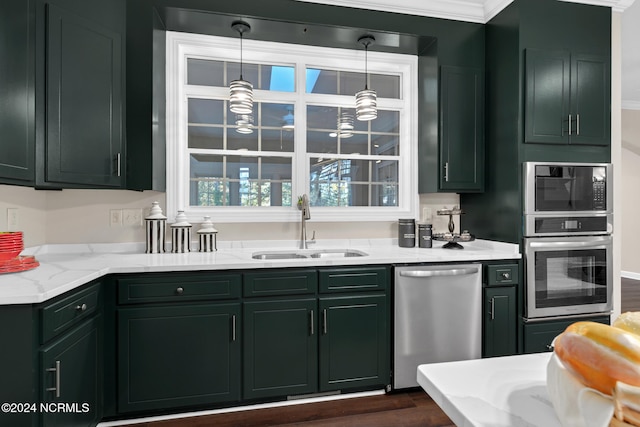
(568, 221)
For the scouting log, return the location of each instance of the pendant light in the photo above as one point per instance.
(241, 91)
(244, 123)
(366, 100)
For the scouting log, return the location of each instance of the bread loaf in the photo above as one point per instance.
(600, 355)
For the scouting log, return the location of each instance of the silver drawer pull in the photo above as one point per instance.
(82, 307)
(57, 386)
(180, 290)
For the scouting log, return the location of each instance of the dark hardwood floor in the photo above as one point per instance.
(410, 409)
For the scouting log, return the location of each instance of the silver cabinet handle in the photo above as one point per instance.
(493, 306)
(446, 172)
(82, 307)
(57, 386)
(324, 321)
(569, 124)
(577, 124)
(233, 328)
(118, 164)
(506, 276)
(311, 321)
(180, 290)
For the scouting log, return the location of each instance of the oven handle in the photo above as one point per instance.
(566, 317)
(586, 244)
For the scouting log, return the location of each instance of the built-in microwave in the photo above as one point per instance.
(567, 199)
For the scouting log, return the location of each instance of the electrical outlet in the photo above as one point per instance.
(132, 217)
(13, 219)
(115, 217)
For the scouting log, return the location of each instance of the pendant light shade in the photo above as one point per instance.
(240, 90)
(244, 123)
(367, 99)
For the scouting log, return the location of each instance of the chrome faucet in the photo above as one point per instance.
(303, 205)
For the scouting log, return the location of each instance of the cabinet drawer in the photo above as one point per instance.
(62, 314)
(353, 279)
(500, 275)
(144, 289)
(280, 282)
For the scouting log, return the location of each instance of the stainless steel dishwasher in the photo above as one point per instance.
(438, 317)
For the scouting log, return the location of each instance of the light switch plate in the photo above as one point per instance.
(13, 219)
(132, 217)
(115, 217)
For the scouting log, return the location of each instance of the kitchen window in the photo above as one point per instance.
(304, 139)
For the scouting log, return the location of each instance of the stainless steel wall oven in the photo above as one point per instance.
(568, 221)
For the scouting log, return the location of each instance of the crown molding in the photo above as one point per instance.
(480, 11)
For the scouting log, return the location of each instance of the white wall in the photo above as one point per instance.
(630, 194)
(82, 216)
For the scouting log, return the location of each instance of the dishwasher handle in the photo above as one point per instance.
(434, 273)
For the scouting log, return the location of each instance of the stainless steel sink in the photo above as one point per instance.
(277, 255)
(322, 253)
(337, 253)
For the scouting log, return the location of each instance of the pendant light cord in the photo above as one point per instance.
(241, 56)
(366, 69)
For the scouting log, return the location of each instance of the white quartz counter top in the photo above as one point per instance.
(505, 391)
(65, 267)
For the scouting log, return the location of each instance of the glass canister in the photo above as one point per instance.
(425, 232)
(407, 233)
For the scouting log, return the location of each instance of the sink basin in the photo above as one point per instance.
(323, 253)
(277, 255)
(337, 253)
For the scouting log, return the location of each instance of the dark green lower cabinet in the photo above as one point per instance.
(280, 348)
(181, 355)
(500, 321)
(71, 374)
(538, 336)
(354, 342)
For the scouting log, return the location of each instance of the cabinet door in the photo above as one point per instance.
(538, 336)
(499, 329)
(70, 371)
(84, 102)
(179, 355)
(354, 342)
(17, 78)
(547, 108)
(591, 100)
(280, 348)
(461, 129)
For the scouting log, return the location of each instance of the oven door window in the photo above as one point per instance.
(570, 188)
(570, 277)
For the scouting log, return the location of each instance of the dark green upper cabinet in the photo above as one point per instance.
(461, 150)
(17, 125)
(567, 98)
(84, 95)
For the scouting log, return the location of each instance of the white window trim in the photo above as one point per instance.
(181, 46)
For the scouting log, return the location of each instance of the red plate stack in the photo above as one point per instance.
(11, 245)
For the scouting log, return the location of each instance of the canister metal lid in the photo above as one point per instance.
(407, 221)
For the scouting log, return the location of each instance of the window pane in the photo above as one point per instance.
(277, 140)
(277, 115)
(218, 180)
(321, 142)
(322, 117)
(210, 111)
(386, 86)
(334, 82)
(206, 137)
(385, 145)
(353, 182)
(249, 73)
(277, 77)
(205, 72)
(387, 121)
(357, 144)
(241, 141)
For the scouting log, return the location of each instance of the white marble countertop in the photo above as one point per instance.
(65, 267)
(505, 391)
